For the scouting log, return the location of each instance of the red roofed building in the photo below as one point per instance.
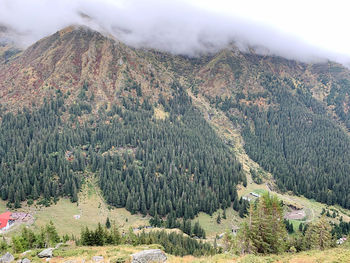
(6, 221)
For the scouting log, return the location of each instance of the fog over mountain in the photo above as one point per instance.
(180, 27)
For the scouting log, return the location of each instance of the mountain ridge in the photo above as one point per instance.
(260, 96)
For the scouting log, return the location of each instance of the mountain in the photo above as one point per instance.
(151, 125)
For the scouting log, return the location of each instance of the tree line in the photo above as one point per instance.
(178, 165)
(173, 243)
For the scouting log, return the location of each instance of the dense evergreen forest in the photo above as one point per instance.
(339, 98)
(146, 165)
(294, 140)
(32, 147)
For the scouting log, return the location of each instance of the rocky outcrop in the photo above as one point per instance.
(47, 253)
(148, 256)
(7, 258)
(97, 258)
(24, 260)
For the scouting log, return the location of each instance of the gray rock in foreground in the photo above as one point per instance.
(97, 258)
(25, 260)
(148, 256)
(46, 253)
(7, 258)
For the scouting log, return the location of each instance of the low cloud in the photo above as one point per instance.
(172, 26)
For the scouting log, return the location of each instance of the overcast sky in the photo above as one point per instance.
(302, 29)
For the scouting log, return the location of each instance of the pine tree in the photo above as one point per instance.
(264, 231)
(108, 223)
(300, 227)
(318, 235)
(99, 236)
(236, 205)
(115, 235)
(242, 210)
(74, 193)
(218, 219)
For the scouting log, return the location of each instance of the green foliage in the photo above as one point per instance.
(100, 236)
(185, 226)
(299, 144)
(241, 206)
(292, 137)
(108, 223)
(3, 245)
(47, 237)
(264, 231)
(32, 161)
(175, 165)
(256, 176)
(318, 235)
(289, 226)
(179, 165)
(341, 229)
(218, 219)
(338, 97)
(173, 243)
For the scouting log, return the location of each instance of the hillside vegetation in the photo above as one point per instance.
(98, 129)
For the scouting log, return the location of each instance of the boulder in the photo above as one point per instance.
(46, 253)
(24, 260)
(148, 256)
(7, 258)
(97, 258)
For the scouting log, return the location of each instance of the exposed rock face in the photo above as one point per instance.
(97, 258)
(7, 258)
(25, 260)
(148, 256)
(47, 253)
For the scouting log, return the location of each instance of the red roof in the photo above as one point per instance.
(4, 218)
(6, 215)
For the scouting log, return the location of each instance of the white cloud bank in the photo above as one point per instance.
(303, 30)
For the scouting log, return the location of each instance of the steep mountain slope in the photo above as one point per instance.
(73, 57)
(289, 124)
(136, 118)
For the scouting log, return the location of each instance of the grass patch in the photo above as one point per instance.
(91, 208)
(212, 228)
(259, 191)
(3, 207)
(65, 253)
